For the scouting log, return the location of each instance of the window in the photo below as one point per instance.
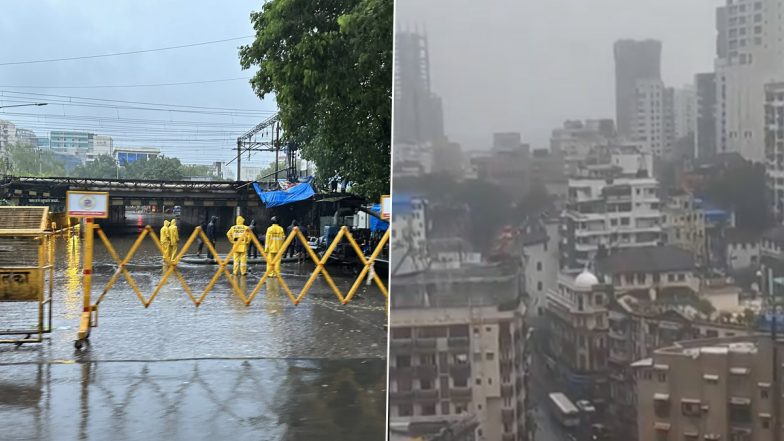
(740, 410)
(765, 423)
(478, 381)
(539, 286)
(538, 266)
(670, 277)
(661, 407)
(690, 408)
(460, 382)
(398, 333)
(405, 410)
(681, 277)
(764, 394)
(428, 409)
(403, 361)
(662, 377)
(425, 384)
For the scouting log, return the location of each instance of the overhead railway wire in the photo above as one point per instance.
(115, 54)
(69, 99)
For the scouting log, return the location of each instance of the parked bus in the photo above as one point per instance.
(564, 410)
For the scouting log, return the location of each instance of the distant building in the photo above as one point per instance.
(250, 173)
(419, 114)
(774, 146)
(25, 137)
(609, 212)
(508, 164)
(576, 141)
(749, 49)
(547, 171)
(743, 249)
(683, 224)
(128, 155)
(705, 128)
(71, 142)
(447, 158)
(540, 263)
(684, 111)
(42, 143)
(640, 270)
(7, 134)
(719, 389)
(653, 122)
(634, 61)
(409, 238)
(102, 145)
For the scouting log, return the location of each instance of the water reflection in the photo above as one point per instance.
(207, 399)
(73, 274)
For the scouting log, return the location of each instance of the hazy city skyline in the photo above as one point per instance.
(563, 67)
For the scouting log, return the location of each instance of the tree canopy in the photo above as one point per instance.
(27, 161)
(329, 65)
(102, 167)
(741, 187)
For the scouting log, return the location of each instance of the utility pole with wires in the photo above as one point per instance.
(247, 142)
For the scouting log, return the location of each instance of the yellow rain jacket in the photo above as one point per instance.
(237, 233)
(274, 239)
(164, 235)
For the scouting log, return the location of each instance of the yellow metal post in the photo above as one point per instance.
(84, 325)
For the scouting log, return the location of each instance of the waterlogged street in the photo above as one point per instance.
(270, 370)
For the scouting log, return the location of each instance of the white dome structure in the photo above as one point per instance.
(585, 280)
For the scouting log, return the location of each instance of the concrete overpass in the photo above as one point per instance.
(198, 199)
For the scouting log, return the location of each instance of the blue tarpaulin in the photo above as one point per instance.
(299, 192)
(375, 223)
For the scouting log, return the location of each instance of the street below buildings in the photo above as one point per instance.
(542, 383)
(271, 370)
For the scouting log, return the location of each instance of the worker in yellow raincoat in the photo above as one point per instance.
(165, 241)
(237, 233)
(273, 243)
(174, 239)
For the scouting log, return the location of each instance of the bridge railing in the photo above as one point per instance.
(366, 274)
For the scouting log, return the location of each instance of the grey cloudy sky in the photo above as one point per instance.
(43, 29)
(525, 65)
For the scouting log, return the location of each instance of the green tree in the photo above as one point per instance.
(740, 186)
(102, 167)
(197, 170)
(158, 168)
(329, 65)
(29, 161)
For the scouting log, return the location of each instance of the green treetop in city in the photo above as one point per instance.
(329, 65)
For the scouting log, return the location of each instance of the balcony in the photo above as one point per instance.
(426, 395)
(426, 371)
(508, 437)
(403, 344)
(401, 372)
(460, 370)
(508, 416)
(458, 343)
(507, 390)
(459, 393)
(401, 396)
(425, 343)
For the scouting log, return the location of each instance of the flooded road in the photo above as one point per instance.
(270, 370)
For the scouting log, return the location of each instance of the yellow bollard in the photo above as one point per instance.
(84, 325)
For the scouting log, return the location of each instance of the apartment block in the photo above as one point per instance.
(718, 389)
(774, 146)
(457, 349)
(609, 213)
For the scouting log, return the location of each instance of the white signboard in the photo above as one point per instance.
(386, 207)
(94, 204)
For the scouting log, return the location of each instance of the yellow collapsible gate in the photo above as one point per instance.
(90, 313)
